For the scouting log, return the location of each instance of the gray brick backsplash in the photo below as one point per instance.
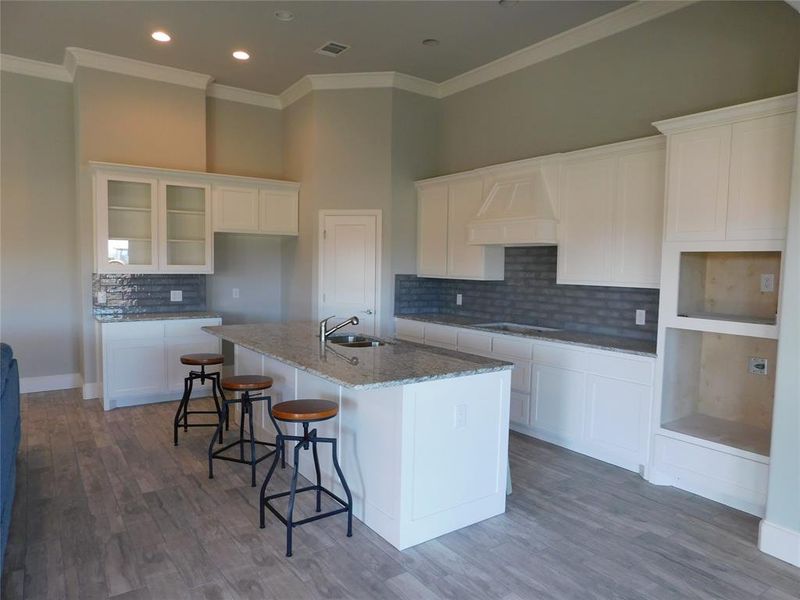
(529, 294)
(128, 294)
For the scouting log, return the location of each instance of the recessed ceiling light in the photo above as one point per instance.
(284, 15)
(430, 42)
(241, 55)
(160, 36)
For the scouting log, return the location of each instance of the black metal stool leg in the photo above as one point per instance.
(184, 401)
(186, 405)
(316, 468)
(346, 490)
(263, 493)
(242, 412)
(292, 493)
(218, 432)
(278, 431)
(216, 403)
(252, 448)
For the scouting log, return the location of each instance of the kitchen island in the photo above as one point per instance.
(423, 431)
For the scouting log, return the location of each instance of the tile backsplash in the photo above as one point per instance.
(148, 293)
(529, 294)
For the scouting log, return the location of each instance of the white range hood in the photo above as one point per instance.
(519, 207)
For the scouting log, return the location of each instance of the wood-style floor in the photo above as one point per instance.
(107, 507)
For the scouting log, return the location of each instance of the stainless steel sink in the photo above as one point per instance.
(364, 344)
(515, 327)
(355, 341)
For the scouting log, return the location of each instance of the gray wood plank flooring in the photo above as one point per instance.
(106, 507)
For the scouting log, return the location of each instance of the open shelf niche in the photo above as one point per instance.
(709, 392)
(727, 286)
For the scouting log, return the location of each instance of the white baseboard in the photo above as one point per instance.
(779, 542)
(92, 390)
(48, 383)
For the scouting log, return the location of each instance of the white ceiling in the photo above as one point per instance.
(384, 35)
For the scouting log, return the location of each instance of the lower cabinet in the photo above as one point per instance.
(596, 402)
(141, 359)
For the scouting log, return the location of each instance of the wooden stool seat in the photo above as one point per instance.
(305, 410)
(202, 359)
(249, 383)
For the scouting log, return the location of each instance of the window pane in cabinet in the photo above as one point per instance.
(130, 234)
(186, 225)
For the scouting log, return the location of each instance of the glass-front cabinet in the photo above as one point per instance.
(152, 224)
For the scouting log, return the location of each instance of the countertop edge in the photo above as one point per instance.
(176, 316)
(541, 336)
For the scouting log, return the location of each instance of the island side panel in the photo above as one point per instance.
(455, 454)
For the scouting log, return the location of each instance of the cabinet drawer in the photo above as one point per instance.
(133, 331)
(474, 341)
(555, 356)
(410, 330)
(441, 335)
(512, 348)
(183, 327)
(621, 367)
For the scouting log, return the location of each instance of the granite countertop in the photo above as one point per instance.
(396, 363)
(577, 338)
(152, 316)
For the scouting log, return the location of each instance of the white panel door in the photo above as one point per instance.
(432, 231)
(464, 260)
(348, 269)
(134, 368)
(587, 191)
(638, 219)
(697, 184)
(558, 401)
(278, 211)
(760, 177)
(236, 208)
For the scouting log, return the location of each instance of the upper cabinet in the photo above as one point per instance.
(444, 207)
(159, 221)
(729, 172)
(610, 208)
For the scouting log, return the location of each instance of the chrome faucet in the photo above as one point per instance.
(324, 332)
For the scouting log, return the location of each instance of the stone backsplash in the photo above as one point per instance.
(148, 293)
(529, 294)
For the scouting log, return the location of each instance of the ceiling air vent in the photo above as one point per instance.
(332, 49)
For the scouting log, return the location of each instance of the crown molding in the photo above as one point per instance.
(592, 31)
(730, 114)
(226, 92)
(34, 68)
(297, 90)
(80, 57)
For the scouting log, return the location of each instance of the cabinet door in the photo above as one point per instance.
(587, 195)
(185, 227)
(760, 178)
(127, 223)
(236, 208)
(463, 260)
(519, 408)
(278, 211)
(697, 184)
(432, 231)
(638, 219)
(617, 419)
(558, 402)
(176, 372)
(134, 369)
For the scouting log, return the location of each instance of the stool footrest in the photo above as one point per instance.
(308, 488)
(217, 453)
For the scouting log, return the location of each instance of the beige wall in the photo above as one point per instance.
(707, 55)
(129, 120)
(38, 263)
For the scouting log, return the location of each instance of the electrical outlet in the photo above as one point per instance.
(640, 316)
(767, 282)
(176, 295)
(460, 416)
(757, 365)
(102, 297)
(235, 292)
(459, 299)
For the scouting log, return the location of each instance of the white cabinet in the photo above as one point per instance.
(250, 208)
(141, 359)
(611, 201)
(593, 401)
(729, 171)
(278, 211)
(444, 207)
(185, 240)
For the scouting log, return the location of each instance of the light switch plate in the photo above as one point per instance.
(459, 299)
(640, 316)
(176, 295)
(235, 292)
(102, 297)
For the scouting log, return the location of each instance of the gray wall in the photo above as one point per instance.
(708, 55)
(38, 263)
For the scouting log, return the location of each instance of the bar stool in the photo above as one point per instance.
(202, 360)
(305, 412)
(247, 384)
